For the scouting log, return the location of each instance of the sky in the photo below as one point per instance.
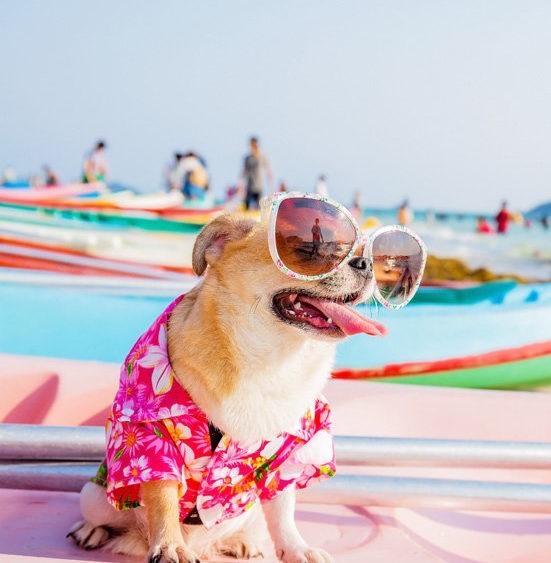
(447, 103)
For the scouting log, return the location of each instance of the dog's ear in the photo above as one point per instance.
(214, 236)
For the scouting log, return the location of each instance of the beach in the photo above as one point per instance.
(275, 282)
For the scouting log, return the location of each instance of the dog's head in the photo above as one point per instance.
(236, 251)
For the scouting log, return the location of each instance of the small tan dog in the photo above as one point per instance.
(253, 348)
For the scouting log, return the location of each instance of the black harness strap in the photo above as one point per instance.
(215, 436)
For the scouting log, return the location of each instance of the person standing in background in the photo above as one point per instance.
(95, 167)
(192, 169)
(404, 214)
(317, 237)
(172, 180)
(8, 177)
(321, 186)
(356, 207)
(502, 219)
(188, 174)
(50, 176)
(483, 227)
(255, 166)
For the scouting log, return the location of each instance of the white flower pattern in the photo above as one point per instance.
(138, 471)
(157, 358)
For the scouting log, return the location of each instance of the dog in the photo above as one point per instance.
(251, 349)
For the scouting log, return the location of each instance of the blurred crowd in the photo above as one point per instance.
(187, 173)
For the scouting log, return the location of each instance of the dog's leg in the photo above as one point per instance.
(166, 543)
(289, 544)
(101, 520)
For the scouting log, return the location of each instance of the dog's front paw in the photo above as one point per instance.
(88, 536)
(171, 553)
(303, 555)
(240, 550)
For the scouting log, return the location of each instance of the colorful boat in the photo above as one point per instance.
(99, 217)
(97, 196)
(483, 345)
(39, 256)
(425, 474)
(49, 194)
(491, 291)
(136, 245)
(112, 284)
(426, 334)
(96, 204)
(523, 367)
(143, 202)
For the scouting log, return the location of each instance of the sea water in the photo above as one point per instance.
(522, 251)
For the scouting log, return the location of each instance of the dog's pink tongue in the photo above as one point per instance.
(347, 318)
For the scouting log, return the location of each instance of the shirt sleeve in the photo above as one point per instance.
(312, 461)
(139, 453)
(316, 457)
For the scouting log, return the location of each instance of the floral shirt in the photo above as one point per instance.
(156, 432)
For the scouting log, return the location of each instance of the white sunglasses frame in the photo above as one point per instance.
(270, 205)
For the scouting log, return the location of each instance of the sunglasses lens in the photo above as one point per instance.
(397, 265)
(312, 236)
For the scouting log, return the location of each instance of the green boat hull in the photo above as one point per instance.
(109, 219)
(522, 374)
(493, 291)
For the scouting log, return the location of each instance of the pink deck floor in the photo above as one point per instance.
(51, 391)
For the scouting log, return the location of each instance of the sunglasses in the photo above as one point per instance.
(312, 236)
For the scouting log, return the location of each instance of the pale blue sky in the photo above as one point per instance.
(445, 102)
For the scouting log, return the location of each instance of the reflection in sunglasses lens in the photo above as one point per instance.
(312, 236)
(397, 262)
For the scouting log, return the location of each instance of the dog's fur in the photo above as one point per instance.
(253, 373)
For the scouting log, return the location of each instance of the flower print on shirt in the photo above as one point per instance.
(174, 410)
(179, 432)
(156, 432)
(225, 477)
(130, 438)
(200, 440)
(232, 452)
(157, 358)
(194, 467)
(138, 471)
(272, 447)
(138, 351)
(132, 395)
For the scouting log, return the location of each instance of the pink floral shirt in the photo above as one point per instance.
(156, 432)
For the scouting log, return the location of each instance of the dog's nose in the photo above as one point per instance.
(359, 263)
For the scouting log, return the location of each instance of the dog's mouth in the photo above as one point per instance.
(330, 316)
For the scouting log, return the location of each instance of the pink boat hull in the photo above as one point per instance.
(63, 392)
(45, 193)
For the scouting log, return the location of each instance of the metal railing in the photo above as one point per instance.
(87, 443)
(354, 490)
(64, 458)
